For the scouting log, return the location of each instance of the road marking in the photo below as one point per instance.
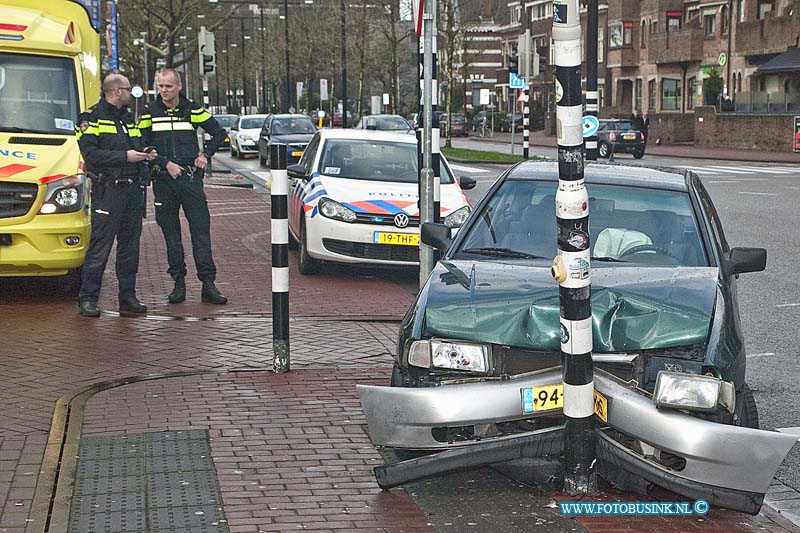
(794, 188)
(700, 170)
(724, 181)
(790, 431)
(732, 170)
(766, 170)
(788, 305)
(762, 354)
(760, 193)
(464, 168)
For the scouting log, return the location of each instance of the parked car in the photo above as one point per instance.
(505, 125)
(663, 284)
(354, 199)
(293, 130)
(619, 136)
(458, 126)
(384, 122)
(420, 119)
(226, 121)
(337, 119)
(244, 135)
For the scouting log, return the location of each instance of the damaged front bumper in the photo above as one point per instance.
(730, 466)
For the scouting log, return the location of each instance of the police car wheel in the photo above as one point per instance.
(308, 265)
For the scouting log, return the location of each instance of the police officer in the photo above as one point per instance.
(111, 146)
(169, 124)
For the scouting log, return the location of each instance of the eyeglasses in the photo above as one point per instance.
(128, 88)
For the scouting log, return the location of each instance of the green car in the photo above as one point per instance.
(663, 286)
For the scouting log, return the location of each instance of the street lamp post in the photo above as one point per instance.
(263, 55)
(286, 54)
(244, 71)
(344, 68)
(146, 68)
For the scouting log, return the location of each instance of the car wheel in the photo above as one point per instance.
(603, 150)
(746, 412)
(239, 154)
(308, 265)
(233, 151)
(638, 154)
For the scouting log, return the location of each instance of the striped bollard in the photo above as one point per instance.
(572, 265)
(526, 121)
(436, 164)
(280, 258)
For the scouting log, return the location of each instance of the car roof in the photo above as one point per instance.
(289, 115)
(226, 115)
(660, 178)
(253, 116)
(372, 135)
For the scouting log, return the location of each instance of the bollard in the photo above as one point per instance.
(280, 258)
(574, 253)
(526, 121)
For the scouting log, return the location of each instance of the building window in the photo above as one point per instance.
(516, 13)
(627, 33)
(670, 95)
(651, 95)
(673, 20)
(642, 36)
(742, 11)
(600, 43)
(540, 12)
(655, 27)
(764, 7)
(615, 35)
(638, 94)
(692, 90)
(710, 24)
(726, 20)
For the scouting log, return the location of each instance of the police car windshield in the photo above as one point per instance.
(373, 160)
(38, 94)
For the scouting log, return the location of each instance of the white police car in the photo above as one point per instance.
(354, 199)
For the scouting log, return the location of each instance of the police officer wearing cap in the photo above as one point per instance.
(169, 124)
(111, 146)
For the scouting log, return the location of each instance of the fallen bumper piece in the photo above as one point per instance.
(729, 466)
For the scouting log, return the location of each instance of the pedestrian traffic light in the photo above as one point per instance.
(205, 41)
(513, 63)
(208, 64)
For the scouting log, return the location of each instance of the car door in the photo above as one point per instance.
(263, 138)
(234, 135)
(298, 186)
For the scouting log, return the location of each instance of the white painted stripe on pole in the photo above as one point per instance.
(569, 125)
(280, 231)
(591, 96)
(525, 144)
(576, 336)
(577, 266)
(568, 53)
(435, 140)
(280, 182)
(579, 400)
(591, 145)
(280, 279)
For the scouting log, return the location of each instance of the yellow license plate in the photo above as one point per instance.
(549, 397)
(297, 154)
(629, 136)
(403, 239)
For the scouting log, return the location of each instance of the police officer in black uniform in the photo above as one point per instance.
(111, 146)
(169, 124)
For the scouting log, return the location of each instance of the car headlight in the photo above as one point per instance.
(449, 355)
(457, 218)
(246, 138)
(693, 392)
(64, 195)
(333, 209)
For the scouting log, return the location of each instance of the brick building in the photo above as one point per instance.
(668, 58)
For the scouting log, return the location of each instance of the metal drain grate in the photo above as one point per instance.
(162, 481)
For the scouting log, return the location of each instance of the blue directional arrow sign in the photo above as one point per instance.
(516, 82)
(590, 125)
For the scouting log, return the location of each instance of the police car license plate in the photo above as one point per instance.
(629, 136)
(297, 153)
(403, 239)
(549, 397)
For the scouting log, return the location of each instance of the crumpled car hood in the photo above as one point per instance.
(633, 308)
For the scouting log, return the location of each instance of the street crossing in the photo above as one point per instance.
(724, 170)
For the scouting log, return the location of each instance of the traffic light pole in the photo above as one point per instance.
(426, 176)
(591, 74)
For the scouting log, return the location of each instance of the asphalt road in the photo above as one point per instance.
(757, 203)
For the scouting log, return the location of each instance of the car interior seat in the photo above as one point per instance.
(614, 242)
(535, 233)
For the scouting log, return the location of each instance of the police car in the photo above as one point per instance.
(354, 199)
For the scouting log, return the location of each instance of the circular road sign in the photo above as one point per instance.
(723, 59)
(590, 125)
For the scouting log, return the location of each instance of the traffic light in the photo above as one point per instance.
(513, 63)
(208, 64)
(205, 42)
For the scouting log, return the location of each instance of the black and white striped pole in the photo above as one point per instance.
(436, 130)
(280, 258)
(572, 265)
(526, 123)
(591, 74)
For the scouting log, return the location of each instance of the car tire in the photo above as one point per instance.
(233, 152)
(746, 412)
(239, 154)
(638, 154)
(308, 265)
(603, 150)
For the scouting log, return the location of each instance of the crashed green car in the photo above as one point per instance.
(663, 287)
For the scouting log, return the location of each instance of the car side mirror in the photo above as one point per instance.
(742, 260)
(234, 128)
(297, 171)
(436, 236)
(467, 183)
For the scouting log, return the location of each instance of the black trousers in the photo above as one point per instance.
(187, 192)
(116, 215)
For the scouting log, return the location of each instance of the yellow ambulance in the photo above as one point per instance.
(49, 73)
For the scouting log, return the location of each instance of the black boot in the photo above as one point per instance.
(211, 294)
(88, 308)
(130, 305)
(178, 293)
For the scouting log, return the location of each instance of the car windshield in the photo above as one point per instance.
(385, 123)
(625, 126)
(373, 160)
(459, 119)
(226, 121)
(252, 123)
(37, 94)
(629, 225)
(292, 126)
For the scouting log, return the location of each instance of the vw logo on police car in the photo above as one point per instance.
(401, 220)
